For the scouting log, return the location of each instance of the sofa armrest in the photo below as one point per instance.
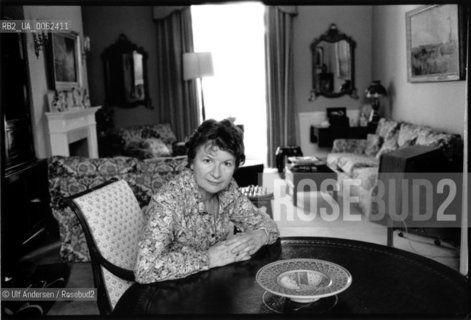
(412, 159)
(350, 145)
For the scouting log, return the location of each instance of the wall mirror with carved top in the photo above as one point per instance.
(125, 67)
(333, 65)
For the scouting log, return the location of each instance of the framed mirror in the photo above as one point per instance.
(125, 67)
(333, 65)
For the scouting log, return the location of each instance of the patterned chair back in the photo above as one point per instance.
(112, 222)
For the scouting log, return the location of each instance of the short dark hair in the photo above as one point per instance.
(223, 134)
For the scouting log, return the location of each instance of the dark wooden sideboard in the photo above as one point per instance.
(25, 214)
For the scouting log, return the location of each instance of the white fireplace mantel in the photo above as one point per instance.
(71, 126)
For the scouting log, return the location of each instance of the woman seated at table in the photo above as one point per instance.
(191, 220)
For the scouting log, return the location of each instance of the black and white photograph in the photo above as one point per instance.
(234, 159)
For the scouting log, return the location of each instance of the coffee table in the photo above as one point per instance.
(312, 180)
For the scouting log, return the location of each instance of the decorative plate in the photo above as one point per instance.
(303, 280)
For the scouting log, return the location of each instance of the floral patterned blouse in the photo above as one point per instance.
(179, 231)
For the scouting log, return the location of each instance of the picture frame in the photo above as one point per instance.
(435, 43)
(64, 61)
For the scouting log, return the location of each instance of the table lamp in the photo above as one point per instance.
(197, 65)
(375, 91)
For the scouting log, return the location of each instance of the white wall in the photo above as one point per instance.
(437, 104)
(38, 70)
(310, 23)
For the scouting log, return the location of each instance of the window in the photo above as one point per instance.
(234, 34)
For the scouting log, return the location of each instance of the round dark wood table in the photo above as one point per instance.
(386, 281)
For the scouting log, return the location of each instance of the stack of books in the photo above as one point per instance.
(255, 191)
(304, 164)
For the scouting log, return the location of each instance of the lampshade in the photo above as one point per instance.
(375, 90)
(197, 65)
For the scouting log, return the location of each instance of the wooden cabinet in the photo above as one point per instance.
(18, 140)
(27, 222)
(26, 216)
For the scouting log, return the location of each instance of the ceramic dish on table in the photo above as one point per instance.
(304, 280)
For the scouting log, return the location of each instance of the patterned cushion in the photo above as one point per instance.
(373, 144)
(367, 175)
(80, 166)
(388, 146)
(157, 147)
(333, 158)
(147, 141)
(70, 175)
(352, 161)
(408, 134)
(347, 162)
(387, 128)
(115, 221)
(349, 145)
(140, 132)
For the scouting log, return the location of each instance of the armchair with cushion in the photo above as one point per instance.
(142, 142)
(359, 159)
(112, 221)
(71, 175)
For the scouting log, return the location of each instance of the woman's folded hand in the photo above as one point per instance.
(247, 243)
(225, 252)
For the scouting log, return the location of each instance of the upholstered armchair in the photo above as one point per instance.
(142, 142)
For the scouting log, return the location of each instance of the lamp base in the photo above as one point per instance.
(374, 116)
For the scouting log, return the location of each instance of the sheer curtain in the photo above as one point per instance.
(279, 67)
(177, 99)
(234, 34)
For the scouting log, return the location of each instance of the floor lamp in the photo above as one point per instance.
(197, 65)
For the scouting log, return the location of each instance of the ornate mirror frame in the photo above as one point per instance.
(120, 75)
(332, 35)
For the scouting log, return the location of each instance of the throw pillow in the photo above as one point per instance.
(408, 134)
(373, 144)
(387, 128)
(429, 137)
(147, 133)
(388, 146)
(157, 147)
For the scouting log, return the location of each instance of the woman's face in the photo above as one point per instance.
(213, 168)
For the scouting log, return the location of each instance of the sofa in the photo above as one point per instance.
(142, 142)
(70, 175)
(360, 158)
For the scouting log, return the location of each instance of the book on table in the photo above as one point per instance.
(304, 164)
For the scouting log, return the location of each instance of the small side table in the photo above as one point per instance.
(318, 174)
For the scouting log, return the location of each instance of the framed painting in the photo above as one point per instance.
(65, 67)
(435, 43)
